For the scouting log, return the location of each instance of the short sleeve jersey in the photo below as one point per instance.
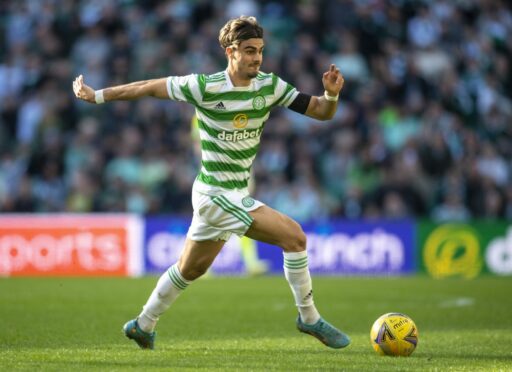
(230, 121)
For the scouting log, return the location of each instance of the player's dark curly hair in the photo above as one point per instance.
(239, 29)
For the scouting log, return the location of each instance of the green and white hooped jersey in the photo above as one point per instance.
(230, 120)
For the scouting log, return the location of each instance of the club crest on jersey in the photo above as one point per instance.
(240, 121)
(258, 102)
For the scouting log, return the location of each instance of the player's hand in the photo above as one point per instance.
(82, 90)
(333, 80)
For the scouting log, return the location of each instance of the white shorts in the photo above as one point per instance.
(217, 217)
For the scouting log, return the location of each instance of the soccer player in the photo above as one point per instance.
(232, 107)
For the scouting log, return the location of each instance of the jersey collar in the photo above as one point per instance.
(231, 87)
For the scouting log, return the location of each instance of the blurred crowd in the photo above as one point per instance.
(424, 126)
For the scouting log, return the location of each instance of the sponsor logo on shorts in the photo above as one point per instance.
(247, 202)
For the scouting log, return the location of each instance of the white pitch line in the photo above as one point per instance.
(457, 302)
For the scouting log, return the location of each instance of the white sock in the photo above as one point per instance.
(296, 272)
(169, 287)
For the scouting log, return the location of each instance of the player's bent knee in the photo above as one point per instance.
(192, 273)
(296, 241)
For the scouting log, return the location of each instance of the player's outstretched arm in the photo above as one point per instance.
(324, 107)
(146, 88)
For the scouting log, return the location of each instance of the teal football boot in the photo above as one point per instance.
(325, 332)
(144, 339)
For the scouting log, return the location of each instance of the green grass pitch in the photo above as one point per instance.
(245, 324)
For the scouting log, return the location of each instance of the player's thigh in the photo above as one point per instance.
(273, 227)
(197, 257)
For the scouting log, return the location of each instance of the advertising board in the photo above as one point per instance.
(465, 250)
(334, 248)
(70, 245)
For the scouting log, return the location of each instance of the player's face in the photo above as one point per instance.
(247, 57)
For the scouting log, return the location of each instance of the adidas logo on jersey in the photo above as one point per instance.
(220, 106)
